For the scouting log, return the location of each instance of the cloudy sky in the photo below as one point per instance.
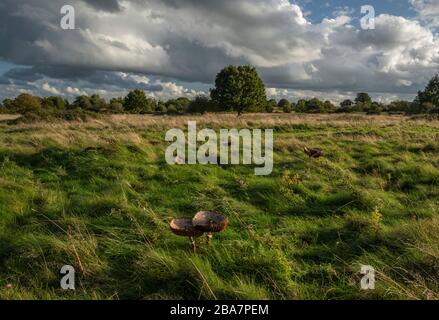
(171, 48)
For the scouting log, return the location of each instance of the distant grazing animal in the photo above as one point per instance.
(314, 153)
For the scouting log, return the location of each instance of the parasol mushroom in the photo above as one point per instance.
(185, 228)
(210, 222)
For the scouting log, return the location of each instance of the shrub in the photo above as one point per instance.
(375, 108)
(346, 106)
(314, 106)
(8, 106)
(82, 102)
(285, 106)
(55, 103)
(116, 105)
(398, 106)
(98, 103)
(270, 106)
(327, 107)
(422, 108)
(172, 109)
(161, 107)
(181, 105)
(26, 103)
(137, 102)
(301, 105)
(201, 104)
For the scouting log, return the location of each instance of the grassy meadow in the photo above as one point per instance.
(98, 195)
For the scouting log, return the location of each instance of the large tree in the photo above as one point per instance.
(239, 89)
(431, 93)
(363, 97)
(363, 102)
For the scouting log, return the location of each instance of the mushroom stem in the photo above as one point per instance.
(209, 238)
(194, 245)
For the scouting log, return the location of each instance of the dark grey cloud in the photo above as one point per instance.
(105, 5)
(4, 81)
(23, 74)
(64, 73)
(74, 77)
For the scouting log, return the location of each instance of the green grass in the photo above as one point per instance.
(100, 197)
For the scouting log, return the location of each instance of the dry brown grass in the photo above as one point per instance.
(251, 120)
(229, 120)
(125, 128)
(6, 117)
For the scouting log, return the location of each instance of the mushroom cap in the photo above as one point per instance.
(210, 221)
(185, 228)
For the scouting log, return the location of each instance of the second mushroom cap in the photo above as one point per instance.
(207, 221)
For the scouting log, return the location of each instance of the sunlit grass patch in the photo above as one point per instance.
(98, 195)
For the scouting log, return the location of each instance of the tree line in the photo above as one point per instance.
(237, 89)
